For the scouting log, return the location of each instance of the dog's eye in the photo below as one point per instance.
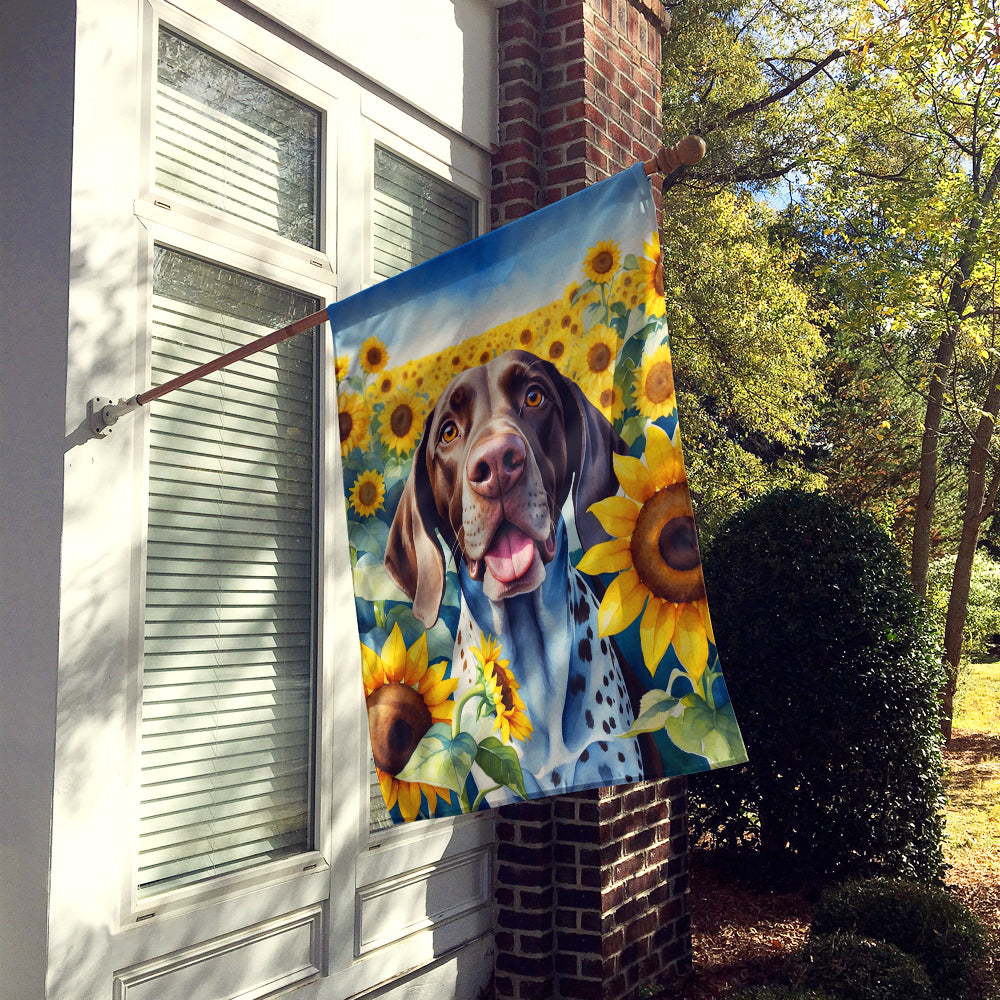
(534, 396)
(448, 432)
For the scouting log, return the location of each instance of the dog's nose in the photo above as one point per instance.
(495, 464)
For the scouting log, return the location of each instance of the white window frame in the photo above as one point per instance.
(352, 874)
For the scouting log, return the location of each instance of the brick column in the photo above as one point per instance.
(591, 889)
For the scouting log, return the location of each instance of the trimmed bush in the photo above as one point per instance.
(925, 922)
(833, 673)
(782, 993)
(856, 968)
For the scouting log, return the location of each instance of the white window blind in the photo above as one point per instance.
(228, 140)
(228, 677)
(416, 215)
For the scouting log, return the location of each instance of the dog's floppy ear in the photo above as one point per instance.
(413, 556)
(590, 441)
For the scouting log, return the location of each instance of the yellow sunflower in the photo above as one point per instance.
(404, 697)
(368, 493)
(342, 366)
(401, 421)
(595, 360)
(654, 551)
(373, 355)
(384, 384)
(654, 385)
(651, 280)
(610, 402)
(627, 289)
(352, 418)
(602, 261)
(524, 336)
(512, 719)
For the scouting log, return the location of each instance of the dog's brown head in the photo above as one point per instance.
(493, 469)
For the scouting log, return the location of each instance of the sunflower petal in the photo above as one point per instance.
(662, 457)
(431, 793)
(394, 655)
(409, 799)
(616, 514)
(691, 642)
(606, 557)
(416, 661)
(634, 477)
(621, 604)
(656, 630)
(372, 671)
(389, 786)
(706, 619)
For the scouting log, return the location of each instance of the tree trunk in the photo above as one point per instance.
(920, 553)
(979, 500)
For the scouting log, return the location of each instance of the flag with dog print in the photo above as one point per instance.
(531, 608)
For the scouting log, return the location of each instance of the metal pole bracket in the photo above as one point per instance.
(103, 413)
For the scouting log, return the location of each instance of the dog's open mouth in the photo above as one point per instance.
(514, 563)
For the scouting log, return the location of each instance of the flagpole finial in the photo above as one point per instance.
(668, 158)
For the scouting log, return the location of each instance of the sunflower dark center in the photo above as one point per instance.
(659, 382)
(346, 422)
(374, 357)
(368, 493)
(664, 546)
(398, 720)
(602, 262)
(599, 357)
(401, 420)
(679, 544)
(557, 349)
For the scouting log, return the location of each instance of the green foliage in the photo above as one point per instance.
(857, 968)
(983, 612)
(926, 922)
(747, 354)
(833, 675)
(780, 992)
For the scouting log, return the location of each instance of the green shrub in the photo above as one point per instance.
(782, 993)
(925, 922)
(833, 673)
(856, 968)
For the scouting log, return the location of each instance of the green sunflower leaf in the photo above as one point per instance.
(702, 730)
(631, 262)
(637, 321)
(654, 710)
(633, 429)
(440, 759)
(372, 582)
(501, 763)
(369, 534)
(592, 314)
(584, 288)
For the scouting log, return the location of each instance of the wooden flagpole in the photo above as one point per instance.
(102, 413)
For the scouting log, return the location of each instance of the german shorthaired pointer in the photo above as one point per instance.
(501, 450)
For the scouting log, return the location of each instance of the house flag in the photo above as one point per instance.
(528, 586)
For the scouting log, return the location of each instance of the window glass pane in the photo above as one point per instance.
(416, 215)
(228, 657)
(231, 141)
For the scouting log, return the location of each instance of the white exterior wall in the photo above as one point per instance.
(74, 288)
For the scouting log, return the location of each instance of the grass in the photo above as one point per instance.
(973, 784)
(742, 935)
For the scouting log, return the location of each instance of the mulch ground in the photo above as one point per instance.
(742, 935)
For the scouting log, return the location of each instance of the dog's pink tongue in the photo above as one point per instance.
(511, 554)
